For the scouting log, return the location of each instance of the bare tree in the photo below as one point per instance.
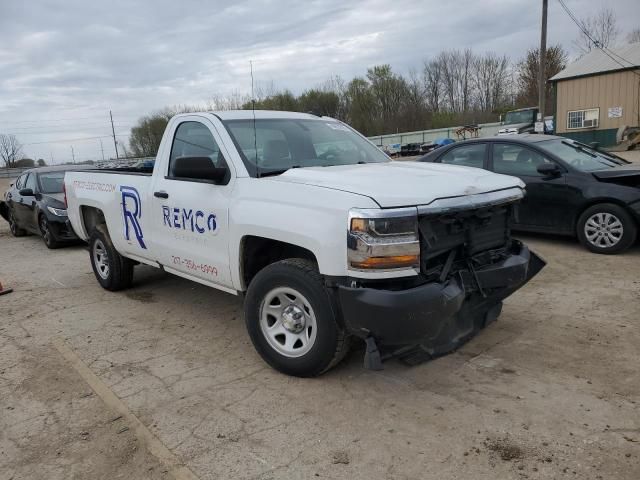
(234, 101)
(457, 67)
(601, 27)
(432, 80)
(634, 36)
(490, 81)
(10, 150)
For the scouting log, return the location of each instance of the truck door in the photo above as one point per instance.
(191, 215)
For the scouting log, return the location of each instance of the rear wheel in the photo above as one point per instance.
(16, 231)
(47, 235)
(291, 321)
(606, 228)
(112, 270)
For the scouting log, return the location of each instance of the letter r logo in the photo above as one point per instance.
(131, 213)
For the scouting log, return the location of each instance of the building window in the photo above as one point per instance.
(583, 118)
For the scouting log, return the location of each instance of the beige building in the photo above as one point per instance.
(597, 94)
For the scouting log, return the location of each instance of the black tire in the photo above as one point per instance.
(16, 231)
(330, 343)
(46, 233)
(601, 218)
(119, 272)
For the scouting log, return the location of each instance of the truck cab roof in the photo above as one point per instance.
(259, 114)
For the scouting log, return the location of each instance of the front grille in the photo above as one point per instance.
(478, 235)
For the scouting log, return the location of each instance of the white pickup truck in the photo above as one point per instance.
(329, 240)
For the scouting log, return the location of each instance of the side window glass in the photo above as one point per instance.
(193, 139)
(31, 182)
(467, 155)
(517, 160)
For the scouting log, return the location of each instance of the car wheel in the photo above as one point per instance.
(47, 235)
(606, 228)
(16, 231)
(291, 321)
(112, 270)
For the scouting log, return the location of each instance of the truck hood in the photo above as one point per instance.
(513, 128)
(400, 184)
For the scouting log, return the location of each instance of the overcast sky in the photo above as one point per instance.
(64, 64)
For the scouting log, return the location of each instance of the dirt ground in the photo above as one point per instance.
(161, 381)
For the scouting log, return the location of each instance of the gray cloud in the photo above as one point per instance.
(65, 64)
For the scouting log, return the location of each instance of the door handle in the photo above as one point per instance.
(161, 194)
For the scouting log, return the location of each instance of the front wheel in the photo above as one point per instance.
(112, 270)
(47, 235)
(606, 228)
(290, 319)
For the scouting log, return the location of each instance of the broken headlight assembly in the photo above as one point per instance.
(383, 239)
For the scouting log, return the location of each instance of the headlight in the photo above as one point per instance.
(59, 212)
(383, 239)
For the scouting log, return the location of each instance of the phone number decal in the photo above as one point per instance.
(191, 265)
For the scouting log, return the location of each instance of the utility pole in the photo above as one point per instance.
(113, 131)
(101, 148)
(542, 61)
(73, 154)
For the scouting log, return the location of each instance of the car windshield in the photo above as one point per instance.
(580, 156)
(272, 146)
(524, 116)
(51, 182)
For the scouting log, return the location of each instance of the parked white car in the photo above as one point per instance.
(328, 239)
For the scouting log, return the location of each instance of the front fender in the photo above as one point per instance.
(310, 217)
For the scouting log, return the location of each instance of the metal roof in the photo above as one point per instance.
(597, 61)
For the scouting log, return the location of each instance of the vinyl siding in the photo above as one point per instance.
(617, 89)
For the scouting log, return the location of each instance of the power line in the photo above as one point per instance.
(596, 43)
(73, 140)
(50, 132)
(63, 127)
(631, 65)
(64, 119)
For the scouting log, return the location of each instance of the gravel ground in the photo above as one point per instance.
(161, 381)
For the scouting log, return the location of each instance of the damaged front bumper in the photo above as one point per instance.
(435, 318)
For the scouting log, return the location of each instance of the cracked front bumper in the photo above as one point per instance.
(438, 316)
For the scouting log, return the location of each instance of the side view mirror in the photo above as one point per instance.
(198, 168)
(26, 192)
(548, 170)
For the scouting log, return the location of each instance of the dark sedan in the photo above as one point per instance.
(34, 203)
(572, 189)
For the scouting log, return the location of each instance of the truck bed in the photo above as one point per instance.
(125, 170)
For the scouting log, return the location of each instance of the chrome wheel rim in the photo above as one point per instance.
(288, 322)
(101, 259)
(603, 230)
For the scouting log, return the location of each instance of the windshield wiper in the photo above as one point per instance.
(280, 171)
(580, 149)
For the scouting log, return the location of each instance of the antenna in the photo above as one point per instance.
(253, 109)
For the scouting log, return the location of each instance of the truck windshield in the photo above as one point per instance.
(522, 116)
(273, 146)
(580, 156)
(51, 182)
